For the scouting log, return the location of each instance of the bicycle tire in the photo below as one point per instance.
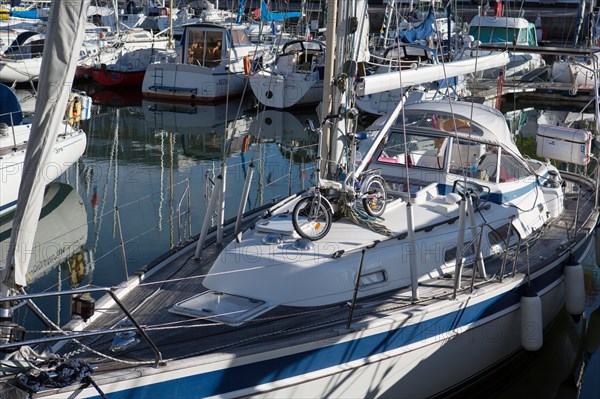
(375, 197)
(312, 224)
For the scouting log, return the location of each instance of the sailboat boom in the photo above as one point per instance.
(398, 79)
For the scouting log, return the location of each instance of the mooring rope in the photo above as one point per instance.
(361, 218)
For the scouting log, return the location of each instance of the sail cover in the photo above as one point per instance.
(268, 15)
(10, 108)
(425, 29)
(66, 29)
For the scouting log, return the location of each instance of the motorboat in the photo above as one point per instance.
(212, 66)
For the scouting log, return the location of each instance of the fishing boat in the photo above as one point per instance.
(15, 142)
(212, 66)
(341, 291)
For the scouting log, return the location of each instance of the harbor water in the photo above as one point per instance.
(145, 181)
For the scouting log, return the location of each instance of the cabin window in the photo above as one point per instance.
(239, 38)
(423, 151)
(406, 56)
(372, 278)
(442, 122)
(205, 48)
(450, 253)
(497, 35)
(511, 169)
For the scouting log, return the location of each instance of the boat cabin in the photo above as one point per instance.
(27, 45)
(443, 149)
(301, 56)
(208, 45)
(407, 56)
(503, 30)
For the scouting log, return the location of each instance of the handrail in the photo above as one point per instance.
(185, 195)
(157, 355)
(475, 243)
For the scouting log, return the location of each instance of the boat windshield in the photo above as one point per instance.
(204, 48)
(488, 34)
(442, 122)
(239, 38)
(455, 155)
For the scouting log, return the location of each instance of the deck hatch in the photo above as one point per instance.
(220, 307)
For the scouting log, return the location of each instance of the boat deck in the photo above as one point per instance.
(150, 301)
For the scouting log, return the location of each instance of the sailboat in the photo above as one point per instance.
(15, 143)
(506, 31)
(470, 239)
(294, 79)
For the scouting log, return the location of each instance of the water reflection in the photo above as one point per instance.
(141, 159)
(114, 97)
(60, 238)
(568, 365)
(282, 126)
(195, 118)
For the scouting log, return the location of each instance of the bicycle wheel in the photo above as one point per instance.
(311, 218)
(374, 197)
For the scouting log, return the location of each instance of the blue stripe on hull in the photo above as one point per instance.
(268, 371)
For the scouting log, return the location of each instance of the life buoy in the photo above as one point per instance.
(247, 65)
(73, 113)
(164, 11)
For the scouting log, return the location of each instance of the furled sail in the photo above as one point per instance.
(66, 29)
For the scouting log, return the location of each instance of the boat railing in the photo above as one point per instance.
(70, 335)
(184, 226)
(473, 246)
(164, 58)
(4, 128)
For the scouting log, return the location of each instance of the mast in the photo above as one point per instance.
(170, 45)
(327, 105)
(350, 23)
(580, 13)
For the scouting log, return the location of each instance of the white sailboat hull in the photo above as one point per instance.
(284, 91)
(20, 71)
(68, 149)
(389, 356)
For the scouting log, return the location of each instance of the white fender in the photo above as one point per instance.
(574, 288)
(532, 328)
